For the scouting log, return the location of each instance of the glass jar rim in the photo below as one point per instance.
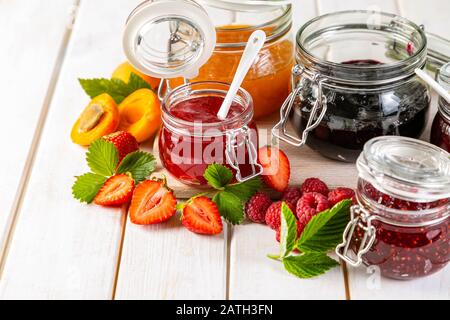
(283, 23)
(390, 71)
(245, 116)
(406, 168)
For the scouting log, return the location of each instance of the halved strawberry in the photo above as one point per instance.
(117, 190)
(277, 169)
(124, 142)
(201, 215)
(152, 203)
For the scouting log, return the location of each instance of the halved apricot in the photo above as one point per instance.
(123, 72)
(140, 114)
(99, 118)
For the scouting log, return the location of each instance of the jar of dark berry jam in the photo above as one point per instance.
(354, 81)
(440, 131)
(192, 137)
(402, 217)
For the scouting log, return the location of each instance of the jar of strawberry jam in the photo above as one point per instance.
(172, 39)
(440, 131)
(354, 81)
(402, 217)
(192, 137)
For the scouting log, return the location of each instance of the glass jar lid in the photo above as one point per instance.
(406, 168)
(444, 76)
(169, 38)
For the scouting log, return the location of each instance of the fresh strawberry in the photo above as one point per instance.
(116, 190)
(124, 142)
(277, 169)
(152, 203)
(202, 216)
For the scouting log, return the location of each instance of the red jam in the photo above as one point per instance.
(186, 155)
(406, 252)
(440, 132)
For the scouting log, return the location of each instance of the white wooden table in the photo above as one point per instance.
(52, 247)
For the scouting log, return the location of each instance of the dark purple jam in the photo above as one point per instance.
(355, 116)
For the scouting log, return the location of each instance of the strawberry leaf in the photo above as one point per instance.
(87, 186)
(230, 207)
(139, 164)
(245, 190)
(116, 88)
(102, 157)
(309, 265)
(218, 176)
(324, 232)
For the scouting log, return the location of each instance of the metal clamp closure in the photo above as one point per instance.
(363, 220)
(232, 155)
(317, 112)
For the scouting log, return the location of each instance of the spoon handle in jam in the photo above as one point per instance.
(434, 84)
(253, 47)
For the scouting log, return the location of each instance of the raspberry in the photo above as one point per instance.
(315, 185)
(308, 206)
(291, 195)
(273, 215)
(257, 206)
(339, 194)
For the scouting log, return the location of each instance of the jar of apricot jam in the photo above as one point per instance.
(354, 81)
(192, 137)
(402, 217)
(440, 131)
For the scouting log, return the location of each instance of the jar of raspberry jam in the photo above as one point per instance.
(354, 81)
(440, 131)
(192, 137)
(402, 217)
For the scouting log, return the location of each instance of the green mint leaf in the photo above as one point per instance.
(102, 157)
(116, 88)
(230, 207)
(136, 82)
(139, 164)
(87, 186)
(245, 190)
(288, 231)
(324, 232)
(309, 265)
(218, 176)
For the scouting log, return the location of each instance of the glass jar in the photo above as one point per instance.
(402, 219)
(354, 81)
(440, 131)
(192, 137)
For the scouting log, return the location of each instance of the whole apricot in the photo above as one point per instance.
(123, 72)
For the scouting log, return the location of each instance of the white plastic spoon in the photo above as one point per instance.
(435, 85)
(254, 45)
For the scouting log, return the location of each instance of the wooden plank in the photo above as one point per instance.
(62, 249)
(252, 274)
(32, 34)
(169, 262)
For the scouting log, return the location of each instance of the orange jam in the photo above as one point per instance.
(268, 80)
